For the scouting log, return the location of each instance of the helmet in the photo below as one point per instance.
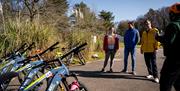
(175, 8)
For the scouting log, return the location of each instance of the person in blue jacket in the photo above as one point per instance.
(131, 38)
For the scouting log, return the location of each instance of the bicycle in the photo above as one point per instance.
(34, 72)
(56, 75)
(73, 50)
(13, 59)
(22, 71)
(70, 58)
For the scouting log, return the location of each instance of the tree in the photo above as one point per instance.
(159, 19)
(84, 18)
(107, 18)
(30, 5)
(122, 27)
(54, 13)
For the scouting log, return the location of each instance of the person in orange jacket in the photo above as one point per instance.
(110, 46)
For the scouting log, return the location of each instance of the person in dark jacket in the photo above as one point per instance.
(170, 72)
(131, 38)
(110, 46)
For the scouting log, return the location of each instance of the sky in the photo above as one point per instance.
(124, 9)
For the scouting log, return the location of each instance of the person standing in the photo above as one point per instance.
(110, 46)
(131, 38)
(170, 72)
(149, 46)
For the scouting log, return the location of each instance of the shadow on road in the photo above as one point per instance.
(114, 75)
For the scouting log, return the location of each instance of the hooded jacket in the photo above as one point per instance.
(148, 41)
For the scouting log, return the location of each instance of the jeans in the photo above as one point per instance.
(133, 58)
(110, 53)
(150, 60)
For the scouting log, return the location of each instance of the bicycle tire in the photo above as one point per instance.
(81, 59)
(82, 87)
(61, 87)
(5, 79)
(21, 76)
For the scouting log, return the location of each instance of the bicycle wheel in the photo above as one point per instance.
(81, 59)
(6, 79)
(61, 87)
(82, 87)
(22, 76)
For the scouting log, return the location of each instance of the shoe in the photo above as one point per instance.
(102, 70)
(124, 71)
(133, 73)
(111, 70)
(156, 80)
(149, 76)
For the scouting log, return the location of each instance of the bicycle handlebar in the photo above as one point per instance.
(21, 47)
(28, 48)
(9, 54)
(73, 50)
(51, 48)
(59, 59)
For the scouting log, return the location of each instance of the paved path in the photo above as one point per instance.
(95, 80)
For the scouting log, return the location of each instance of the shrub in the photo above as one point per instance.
(16, 33)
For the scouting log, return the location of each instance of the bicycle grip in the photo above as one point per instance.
(50, 48)
(73, 50)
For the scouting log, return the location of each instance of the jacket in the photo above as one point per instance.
(148, 41)
(131, 38)
(105, 43)
(170, 39)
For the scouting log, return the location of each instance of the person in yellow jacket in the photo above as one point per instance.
(149, 46)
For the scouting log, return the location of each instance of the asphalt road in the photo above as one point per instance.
(95, 80)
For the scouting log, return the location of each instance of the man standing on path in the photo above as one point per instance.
(170, 72)
(110, 46)
(149, 46)
(131, 38)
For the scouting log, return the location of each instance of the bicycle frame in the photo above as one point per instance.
(31, 72)
(14, 59)
(13, 64)
(53, 73)
(56, 74)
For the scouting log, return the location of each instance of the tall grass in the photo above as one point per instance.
(80, 36)
(18, 32)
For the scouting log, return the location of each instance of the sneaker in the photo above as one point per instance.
(110, 70)
(124, 71)
(156, 80)
(102, 70)
(149, 76)
(133, 73)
